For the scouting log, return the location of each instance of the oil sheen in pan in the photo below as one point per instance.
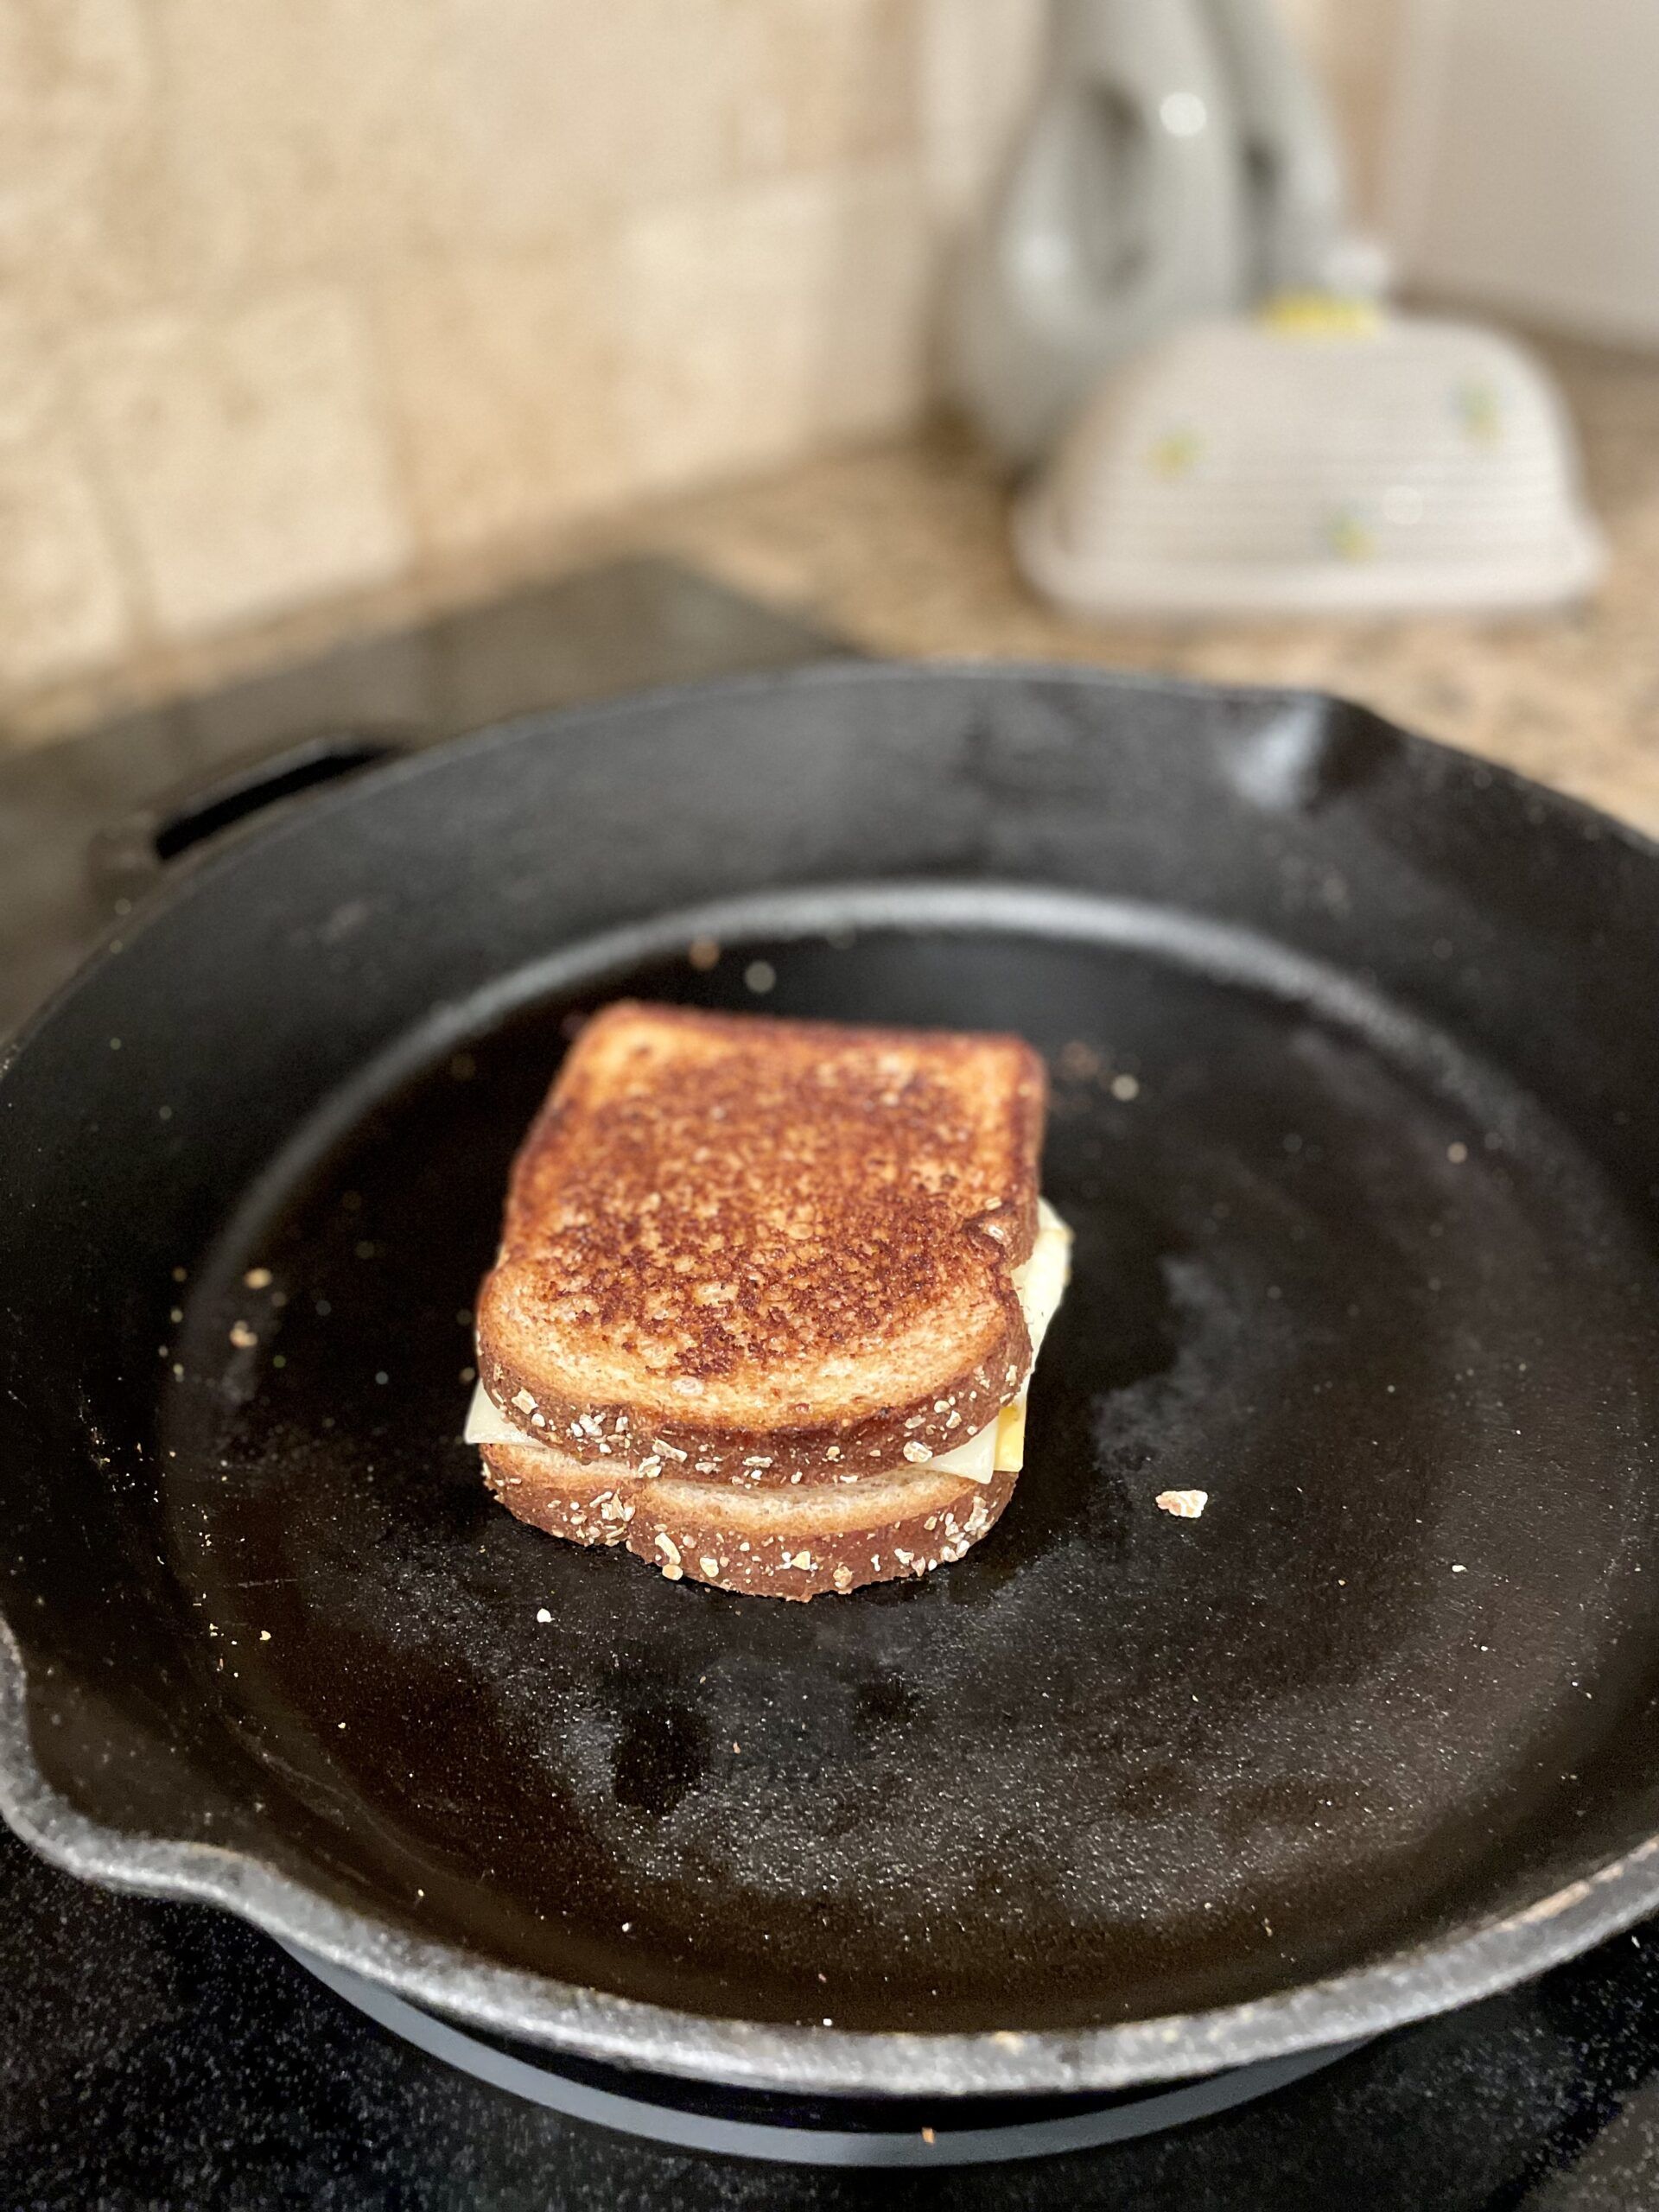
(1109, 1764)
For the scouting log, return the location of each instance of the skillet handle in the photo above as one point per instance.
(126, 857)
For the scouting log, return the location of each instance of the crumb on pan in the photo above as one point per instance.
(1184, 1504)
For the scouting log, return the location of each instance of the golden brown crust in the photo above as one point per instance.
(808, 1551)
(780, 1250)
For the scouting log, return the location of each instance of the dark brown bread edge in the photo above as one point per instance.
(891, 1551)
(831, 1452)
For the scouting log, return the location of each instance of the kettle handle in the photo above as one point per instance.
(1120, 216)
(1295, 190)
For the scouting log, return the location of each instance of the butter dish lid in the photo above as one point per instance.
(1324, 456)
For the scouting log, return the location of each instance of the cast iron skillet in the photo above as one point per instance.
(1354, 1064)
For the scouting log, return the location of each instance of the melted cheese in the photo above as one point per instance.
(999, 1446)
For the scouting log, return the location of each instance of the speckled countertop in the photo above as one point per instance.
(903, 549)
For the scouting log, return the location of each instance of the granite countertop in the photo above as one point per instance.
(902, 549)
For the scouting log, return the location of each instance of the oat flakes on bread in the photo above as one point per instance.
(792, 1543)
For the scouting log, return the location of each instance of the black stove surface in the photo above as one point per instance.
(165, 2057)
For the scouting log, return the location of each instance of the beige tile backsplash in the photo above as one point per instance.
(245, 453)
(502, 389)
(298, 298)
(759, 321)
(64, 596)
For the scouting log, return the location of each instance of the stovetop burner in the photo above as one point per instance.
(891, 2132)
(161, 2056)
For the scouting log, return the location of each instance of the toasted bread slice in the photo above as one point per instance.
(793, 1543)
(780, 1251)
(1040, 1284)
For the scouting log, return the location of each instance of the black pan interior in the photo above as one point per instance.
(1110, 1762)
(1385, 1291)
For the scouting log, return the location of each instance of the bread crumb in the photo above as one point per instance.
(1184, 1504)
(257, 1278)
(243, 1337)
(703, 953)
(542, 1615)
(1124, 1087)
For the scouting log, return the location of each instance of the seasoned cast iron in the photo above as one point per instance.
(1354, 1060)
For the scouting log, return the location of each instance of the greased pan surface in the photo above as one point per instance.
(1352, 1050)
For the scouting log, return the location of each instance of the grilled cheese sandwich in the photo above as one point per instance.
(757, 1278)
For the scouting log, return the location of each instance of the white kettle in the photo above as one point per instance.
(1178, 163)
